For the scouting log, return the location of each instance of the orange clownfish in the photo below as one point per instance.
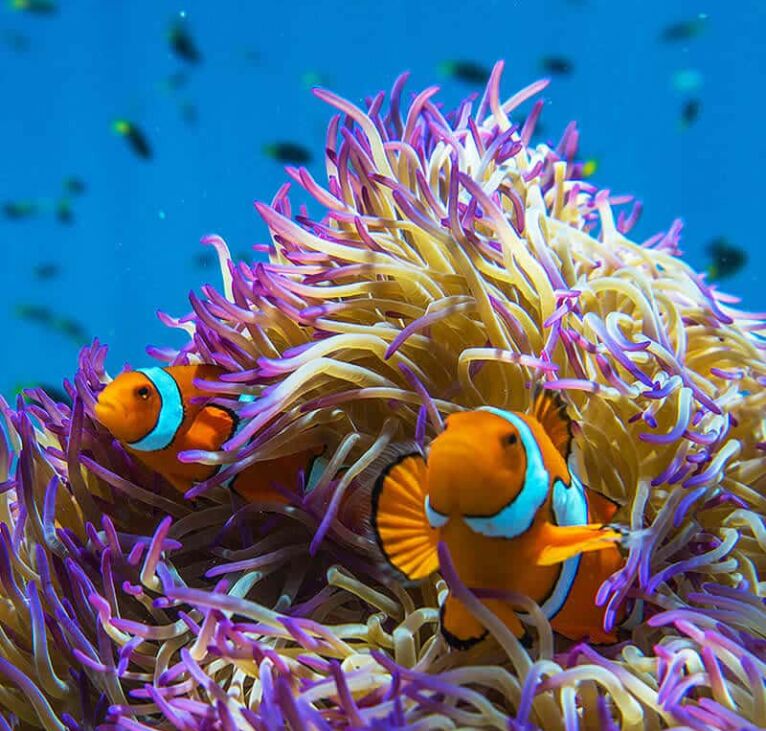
(496, 488)
(156, 414)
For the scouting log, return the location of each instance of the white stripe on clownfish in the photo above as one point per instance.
(435, 518)
(318, 466)
(570, 507)
(517, 517)
(170, 415)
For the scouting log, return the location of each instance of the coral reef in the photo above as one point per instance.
(458, 262)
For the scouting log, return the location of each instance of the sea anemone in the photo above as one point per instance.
(459, 262)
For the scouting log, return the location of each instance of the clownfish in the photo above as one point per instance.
(156, 413)
(496, 488)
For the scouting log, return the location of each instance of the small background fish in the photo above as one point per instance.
(726, 259)
(182, 43)
(35, 7)
(684, 30)
(557, 65)
(288, 152)
(135, 138)
(469, 72)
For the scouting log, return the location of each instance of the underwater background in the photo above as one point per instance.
(99, 234)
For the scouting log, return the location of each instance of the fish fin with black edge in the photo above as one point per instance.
(363, 485)
(398, 517)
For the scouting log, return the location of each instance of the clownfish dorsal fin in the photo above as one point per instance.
(549, 409)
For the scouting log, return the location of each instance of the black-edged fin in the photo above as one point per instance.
(393, 452)
(399, 520)
(212, 426)
(550, 410)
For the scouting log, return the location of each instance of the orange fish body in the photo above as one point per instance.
(496, 489)
(156, 413)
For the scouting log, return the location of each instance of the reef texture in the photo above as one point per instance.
(457, 263)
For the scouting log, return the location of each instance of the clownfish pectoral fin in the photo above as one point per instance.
(212, 426)
(550, 411)
(600, 507)
(560, 542)
(399, 518)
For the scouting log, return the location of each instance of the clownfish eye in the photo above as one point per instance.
(143, 392)
(510, 439)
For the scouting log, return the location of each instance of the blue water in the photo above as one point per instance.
(131, 249)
